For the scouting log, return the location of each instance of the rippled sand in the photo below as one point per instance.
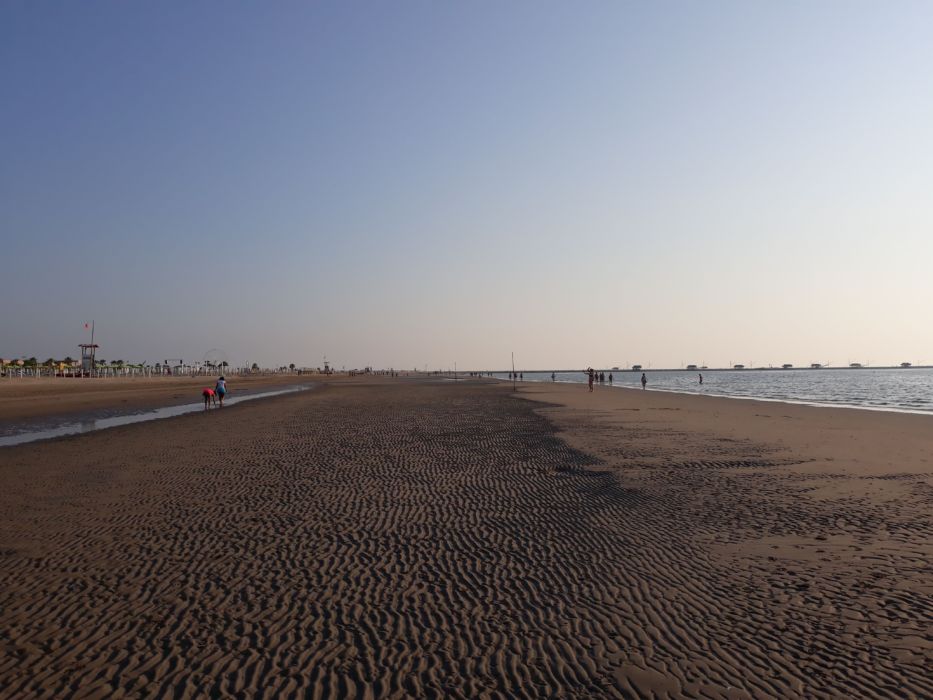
(409, 538)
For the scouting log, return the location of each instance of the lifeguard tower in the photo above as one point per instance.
(88, 350)
(87, 356)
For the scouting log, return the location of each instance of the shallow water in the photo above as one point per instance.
(90, 424)
(901, 390)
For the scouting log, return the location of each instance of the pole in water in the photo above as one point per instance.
(513, 371)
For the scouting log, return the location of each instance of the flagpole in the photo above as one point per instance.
(513, 371)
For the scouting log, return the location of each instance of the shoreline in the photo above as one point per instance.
(26, 433)
(794, 402)
(55, 399)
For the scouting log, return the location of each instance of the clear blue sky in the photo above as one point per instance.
(409, 184)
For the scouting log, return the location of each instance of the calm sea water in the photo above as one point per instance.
(907, 390)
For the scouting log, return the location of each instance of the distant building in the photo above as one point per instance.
(787, 366)
(905, 365)
(636, 368)
(738, 366)
(691, 366)
(815, 365)
(855, 365)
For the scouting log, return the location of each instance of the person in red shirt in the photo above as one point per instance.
(209, 398)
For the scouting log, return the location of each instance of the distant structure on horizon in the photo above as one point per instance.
(738, 366)
(88, 351)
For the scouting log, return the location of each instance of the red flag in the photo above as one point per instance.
(86, 326)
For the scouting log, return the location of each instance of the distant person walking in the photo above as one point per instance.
(589, 375)
(221, 390)
(701, 379)
(644, 380)
(553, 377)
(610, 379)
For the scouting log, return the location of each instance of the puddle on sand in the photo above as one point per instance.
(92, 424)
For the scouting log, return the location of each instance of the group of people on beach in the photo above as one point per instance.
(593, 376)
(517, 375)
(215, 395)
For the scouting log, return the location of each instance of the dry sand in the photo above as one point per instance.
(389, 538)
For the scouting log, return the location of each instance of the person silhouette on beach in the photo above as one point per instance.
(553, 377)
(590, 376)
(701, 379)
(209, 397)
(644, 380)
(610, 379)
(221, 390)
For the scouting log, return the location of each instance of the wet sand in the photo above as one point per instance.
(24, 400)
(391, 538)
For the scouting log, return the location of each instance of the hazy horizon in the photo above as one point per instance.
(414, 185)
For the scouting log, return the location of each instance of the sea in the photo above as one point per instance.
(905, 390)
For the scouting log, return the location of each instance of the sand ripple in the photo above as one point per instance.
(422, 541)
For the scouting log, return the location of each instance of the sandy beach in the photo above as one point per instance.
(23, 400)
(381, 537)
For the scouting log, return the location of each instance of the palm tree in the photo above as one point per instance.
(68, 360)
(292, 366)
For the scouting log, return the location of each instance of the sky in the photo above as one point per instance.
(419, 184)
